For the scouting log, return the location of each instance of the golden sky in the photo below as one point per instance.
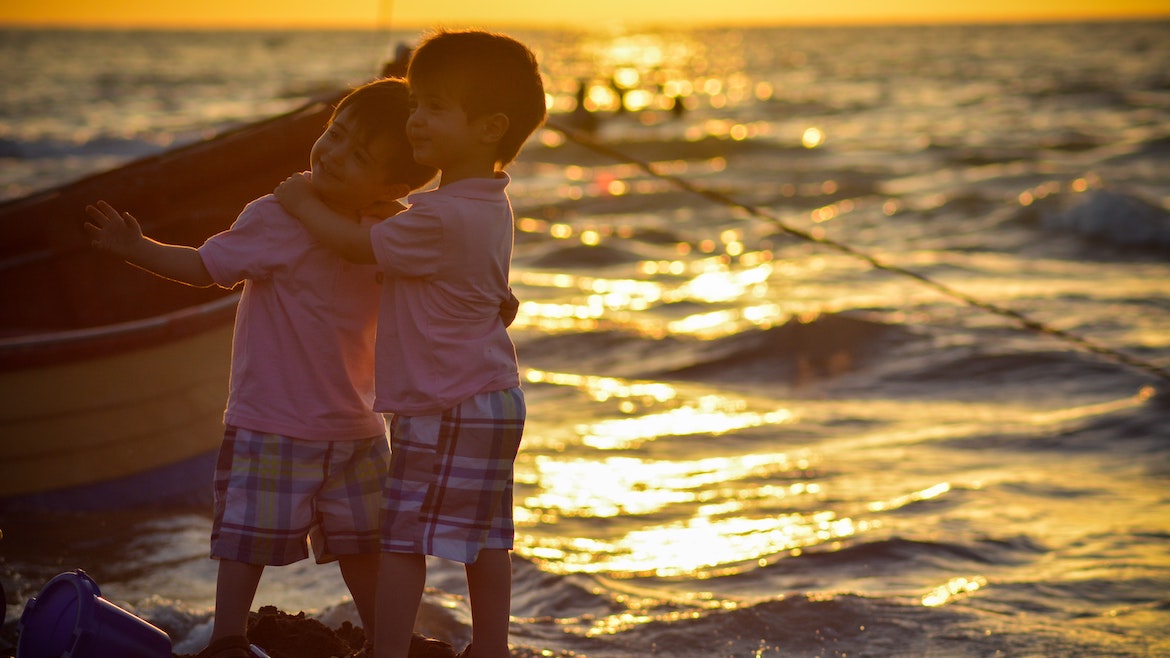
(574, 13)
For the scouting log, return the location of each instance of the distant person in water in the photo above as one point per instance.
(581, 118)
(446, 367)
(303, 453)
(396, 68)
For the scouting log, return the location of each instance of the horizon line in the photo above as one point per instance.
(632, 25)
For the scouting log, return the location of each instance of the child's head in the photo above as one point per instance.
(488, 73)
(364, 151)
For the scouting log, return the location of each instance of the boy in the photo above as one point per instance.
(303, 452)
(446, 368)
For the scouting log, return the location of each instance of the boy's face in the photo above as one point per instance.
(439, 129)
(351, 171)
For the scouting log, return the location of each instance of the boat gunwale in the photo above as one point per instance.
(62, 346)
(321, 104)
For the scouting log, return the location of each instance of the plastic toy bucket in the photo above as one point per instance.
(70, 619)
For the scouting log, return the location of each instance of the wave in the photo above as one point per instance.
(566, 616)
(34, 149)
(804, 626)
(1025, 368)
(797, 621)
(614, 353)
(896, 556)
(1104, 216)
(798, 351)
(793, 626)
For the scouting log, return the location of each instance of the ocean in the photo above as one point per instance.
(871, 361)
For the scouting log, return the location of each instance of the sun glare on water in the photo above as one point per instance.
(734, 519)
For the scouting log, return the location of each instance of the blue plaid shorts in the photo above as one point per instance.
(449, 493)
(274, 496)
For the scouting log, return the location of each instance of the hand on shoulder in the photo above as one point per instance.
(294, 192)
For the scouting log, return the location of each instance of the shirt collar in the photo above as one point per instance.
(473, 188)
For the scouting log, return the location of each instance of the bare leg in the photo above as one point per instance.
(235, 587)
(361, 576)
(401, 578)
(489, 582)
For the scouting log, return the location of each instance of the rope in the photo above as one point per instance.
(718, 197)
(385, 13)
(383, 26)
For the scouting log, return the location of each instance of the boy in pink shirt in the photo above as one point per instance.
(304, 454)
(445, 366)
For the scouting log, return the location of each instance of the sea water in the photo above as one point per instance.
(787, 411)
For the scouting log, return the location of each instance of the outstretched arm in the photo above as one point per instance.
(121, 235)
(340, 234)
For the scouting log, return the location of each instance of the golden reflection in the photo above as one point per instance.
(812, 138)
(902, 501)
(634, 72)
(652, 78)
(730, 503)
(953, 590)
(715, 541)
(551, 138)
(711, 415)
(721, 284)
(626, 77)
(706, 325)
(619, 301)
(727, 129)
(641, 514)
(624, 621)
(637, 613)
(601, 389)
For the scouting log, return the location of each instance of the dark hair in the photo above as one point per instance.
(489, 73)
(380, 110)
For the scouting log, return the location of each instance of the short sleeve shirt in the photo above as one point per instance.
(302, 353)
(446, 260)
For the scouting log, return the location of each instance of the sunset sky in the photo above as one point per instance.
(520, 13)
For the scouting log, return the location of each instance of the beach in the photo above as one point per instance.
(835, 341)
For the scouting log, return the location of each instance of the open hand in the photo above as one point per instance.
(111, 231)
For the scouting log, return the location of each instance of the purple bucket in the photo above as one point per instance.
(70, 619)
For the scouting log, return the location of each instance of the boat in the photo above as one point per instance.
(113, 381)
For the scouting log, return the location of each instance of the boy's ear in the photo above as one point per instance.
(494, 127)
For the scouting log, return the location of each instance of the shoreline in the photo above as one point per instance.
(284, 635)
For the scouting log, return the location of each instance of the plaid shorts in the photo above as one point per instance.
(450, 488)
(274, 493)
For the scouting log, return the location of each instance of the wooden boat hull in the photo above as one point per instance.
(107, 373)
(156, 397)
